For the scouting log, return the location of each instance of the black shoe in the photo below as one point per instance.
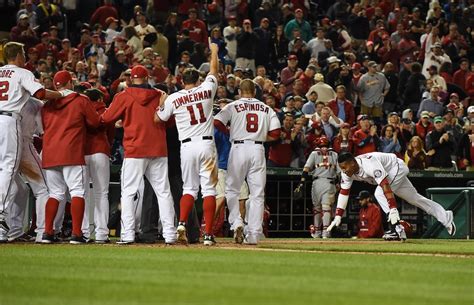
(209, 240)
(25, 238)
(78, 240)
(104, 241)
(391, 235)
(48, 239)
(125, 242)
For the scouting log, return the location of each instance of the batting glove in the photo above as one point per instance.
(393, 216)
(336, 222)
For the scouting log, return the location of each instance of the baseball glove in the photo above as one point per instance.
(298, 192)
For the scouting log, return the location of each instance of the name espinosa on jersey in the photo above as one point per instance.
(192, 97)
(251, 107)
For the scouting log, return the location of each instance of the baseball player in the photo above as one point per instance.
(16, 86)
(192, 108)
(390, 174)
(251, 123)
(64, 124)
(223, 146)
(323, 191)
(98, 170)
(146, 153)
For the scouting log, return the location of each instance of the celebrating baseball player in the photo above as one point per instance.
(323, 192)
(16, 86)
(192, 108)
(390, 174)
(146, 153)
(251, 123)
(64, 124)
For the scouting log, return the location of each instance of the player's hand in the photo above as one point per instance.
(393, 216)
(212, 46)
(336, 222)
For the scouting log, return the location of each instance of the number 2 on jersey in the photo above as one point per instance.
(252, 122)
(194, 121)
(4, 86)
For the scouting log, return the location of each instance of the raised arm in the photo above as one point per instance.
(214, 64)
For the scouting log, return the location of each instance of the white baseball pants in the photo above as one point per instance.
(156, 171)
(199, 167)
(403, 188)
(10, 151)
(60, 179)
(247, 160)
(97, 197)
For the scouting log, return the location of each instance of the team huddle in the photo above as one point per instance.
(76, 151)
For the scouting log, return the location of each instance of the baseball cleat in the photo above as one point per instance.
(314, 233)
(391, 236)
(250, 240)
(239, 235)
(181, 234)
(48, 239)
(451, 227)
(21, 239)
(401, 232)
(124, 242)
(78, 240)
(102, 241)
(209, 240)
(3, 231)
(326, 234)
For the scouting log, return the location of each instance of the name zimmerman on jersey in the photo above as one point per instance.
(191, 98)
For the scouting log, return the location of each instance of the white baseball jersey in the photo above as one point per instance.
(16, 87)
(31, 118)
(192, 109)
(373, 168)
(250, 119)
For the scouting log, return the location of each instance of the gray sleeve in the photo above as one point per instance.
(310, 162)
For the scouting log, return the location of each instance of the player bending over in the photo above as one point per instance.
(390, 174)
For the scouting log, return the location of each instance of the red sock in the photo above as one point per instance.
(185, 206)
(50, 213)
(77, 214)
(209, 207)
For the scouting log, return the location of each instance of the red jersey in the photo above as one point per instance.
(136, 108)
(370, 222)
(197, 30)
(362, 145)
(96, 139)
(64, 124)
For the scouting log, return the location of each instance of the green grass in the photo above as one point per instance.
(69, 275)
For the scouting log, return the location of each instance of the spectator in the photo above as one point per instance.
(433, 104)
(415, 156)
(407, 131)
(460, 76)
(414, 88)
(230, 35)
(298, 23)
(48, 14)
(373, 87)
(103, 12)
(365, 139)
(466, 148)
(389, 142)
(288, 109)
(28, 9)
(316, 45)
(342, 107)
(45, 47)
(307, 78)
(443, 145)
(247, 42)
(264, 36)
(290, 73)
(370, 217)
(343, 141)
(309, 107)
(329, 122)
(452, 126)
(111, 25)
(312, 138)
(424, 125)
(23, 32)
(160, 72)
(281, 151)
(436, 57)
(279, 50)
(436, 78)
(299, 144)
(134, 42)
(324, 91)
(391, 101)
(171, 31)
(197, 28)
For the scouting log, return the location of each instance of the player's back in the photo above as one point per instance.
(251, 120)
(193, 109)
(16, 85)
(388, 160)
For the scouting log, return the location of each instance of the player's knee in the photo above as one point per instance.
(326, 206)
(58, 196)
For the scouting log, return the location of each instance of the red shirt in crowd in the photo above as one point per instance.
(197, 30)
(358, 138)
(422, 131)
(136, 108)
(160, 74)
(348, 109)
(102, 13)
(459, 78)
(64, 124)
(370, 222)
(281, 152)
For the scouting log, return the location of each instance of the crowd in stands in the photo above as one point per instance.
(394, 76)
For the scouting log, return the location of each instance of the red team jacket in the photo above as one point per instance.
(358, 137)
(370, 222)
(64, 124)
(136, 107)
(98, 139)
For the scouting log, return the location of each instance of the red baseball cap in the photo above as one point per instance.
(109, 20)
(45, 34)
(356, 65)
(292, 57)
(61, 78)
(139, 71)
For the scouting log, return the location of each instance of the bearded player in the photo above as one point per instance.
(192, 108)
(323, 191)
(390, 174)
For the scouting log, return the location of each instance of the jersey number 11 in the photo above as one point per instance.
(194, 121)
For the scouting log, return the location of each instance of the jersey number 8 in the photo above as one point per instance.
(252, 122)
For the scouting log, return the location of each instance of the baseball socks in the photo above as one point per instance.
(50, 213)
(185, 206)
(209, 207)
(77, 214)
